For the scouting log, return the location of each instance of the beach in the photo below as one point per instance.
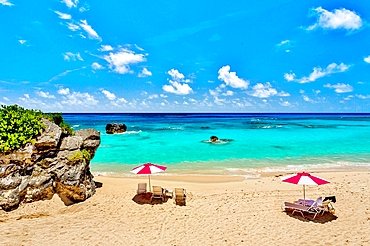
(220, 210)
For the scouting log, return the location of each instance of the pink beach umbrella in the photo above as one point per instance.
(148, 168)
(304, 179)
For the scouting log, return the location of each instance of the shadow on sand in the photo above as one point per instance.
(326, 217)
(146, 199)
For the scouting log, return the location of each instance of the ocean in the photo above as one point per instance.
(249, 143)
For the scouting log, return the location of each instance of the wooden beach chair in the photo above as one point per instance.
(141, 188)
(180, 196)
(158, 193)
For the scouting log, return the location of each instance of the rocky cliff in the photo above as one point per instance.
(55, 164)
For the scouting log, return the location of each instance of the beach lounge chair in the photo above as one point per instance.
(158, 193)
(301, 209)
(180, 196)
(141, 188)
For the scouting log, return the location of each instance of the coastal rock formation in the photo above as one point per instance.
(55, 164)
(115, 128)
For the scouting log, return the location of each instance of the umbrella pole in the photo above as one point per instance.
(304, 195)
(149, 183)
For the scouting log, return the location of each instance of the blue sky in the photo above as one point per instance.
(185, 56)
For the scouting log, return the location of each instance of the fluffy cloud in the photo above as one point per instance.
(231, 79)
(340, 88)
(178, 85)
(145, 73)
(6, 3)
(120, 61)
(90, 31)
(79, 99)
(96, 66)
(109, 95)
(45, 94)
(318, 72)
(263, 90)
(338, 19)
(70, 56)
(63, 91)
(71, 3)
(106, 48)
(63, 15)
(285, 103)
(367, 59)
(283, 94)
(22, 41)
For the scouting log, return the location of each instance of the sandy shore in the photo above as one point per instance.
(220, 210)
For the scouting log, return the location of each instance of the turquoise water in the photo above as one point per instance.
(251, 142)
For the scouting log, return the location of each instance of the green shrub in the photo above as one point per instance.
(18, 126)
(86, 154)
(76, 156)
(58, 119)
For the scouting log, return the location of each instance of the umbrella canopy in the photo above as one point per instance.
(304, 179)
(148, 168)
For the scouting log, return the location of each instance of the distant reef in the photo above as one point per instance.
(55, 163)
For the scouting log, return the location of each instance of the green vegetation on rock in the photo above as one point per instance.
(57, 118)
(19, 126)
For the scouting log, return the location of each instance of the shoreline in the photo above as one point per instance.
(251, 175)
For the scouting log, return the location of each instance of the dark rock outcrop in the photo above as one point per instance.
(55, 164)
(115, 128)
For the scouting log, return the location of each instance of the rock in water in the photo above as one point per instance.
(55, 164)
(115, 128)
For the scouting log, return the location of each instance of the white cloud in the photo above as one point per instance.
(363, 96)
(63, 15)
(63, 91)
(367, 59)
(285, 103)
(177, 88)
(306, 98)
(45, 94)
(318, 72)
(338, 19)
(70, 56)
(301, 91)
(73, 27)
(71, 3)
(79, 99)
(340, 88)
(6, 99)
(6, 3)
(176, 75)
(178, 84)
(263, 90)
(106, 48)
(145, 73)
(120, 61)
(22, 41)
(283, 94)
(109, 95)
(283, 42)
(96, 66)
(90, 31)
(231, 79)
(289, 76)
(153, 96)
(228, 93)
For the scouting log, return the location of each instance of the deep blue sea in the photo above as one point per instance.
(250, 143)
